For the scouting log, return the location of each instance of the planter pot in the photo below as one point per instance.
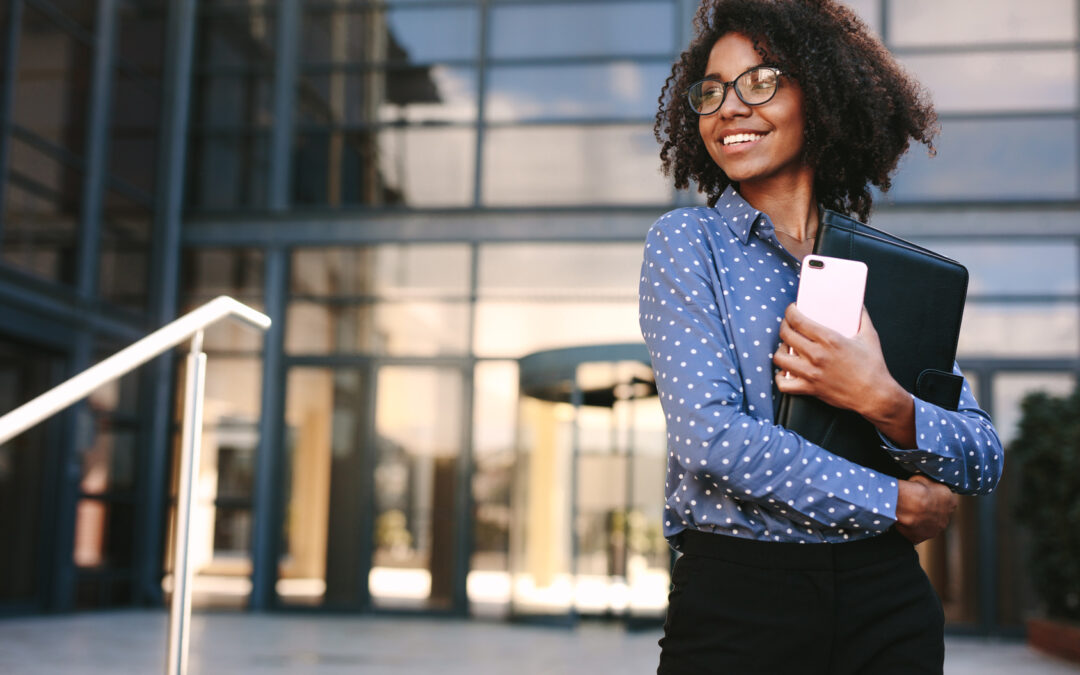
(1056, 637)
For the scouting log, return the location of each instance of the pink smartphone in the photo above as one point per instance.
(831, 292)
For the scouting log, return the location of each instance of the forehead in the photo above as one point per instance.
(732, 54)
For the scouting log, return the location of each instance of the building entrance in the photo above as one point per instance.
(588, 492)
(372, 456)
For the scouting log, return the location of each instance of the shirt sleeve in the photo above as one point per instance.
(687, 328)
(958, 448)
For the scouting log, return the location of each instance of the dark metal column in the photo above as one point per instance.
(286, 64)
(164, 291)
(270, 457)
(7, 93)
(97, 152)
(986, 528)
(464, 506)
(267, 511)
(88, 252)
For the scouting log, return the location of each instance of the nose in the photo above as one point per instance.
(732, 106)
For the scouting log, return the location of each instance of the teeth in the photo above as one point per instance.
(741, 138)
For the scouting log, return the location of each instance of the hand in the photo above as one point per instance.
(923, 508)
(848, 373)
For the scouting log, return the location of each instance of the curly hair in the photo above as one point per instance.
(862, 109)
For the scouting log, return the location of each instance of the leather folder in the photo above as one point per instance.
(915, 298)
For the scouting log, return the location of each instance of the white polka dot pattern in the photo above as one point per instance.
(714, 286)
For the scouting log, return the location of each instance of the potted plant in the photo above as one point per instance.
(1047, 450)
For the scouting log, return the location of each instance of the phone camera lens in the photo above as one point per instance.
(817, 264)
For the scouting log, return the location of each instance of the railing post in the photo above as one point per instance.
(180, 610)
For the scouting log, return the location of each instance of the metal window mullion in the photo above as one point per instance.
(286, 66)
(267, 511)
(7, 95)
(986, 541)
(97, 152)
(158, 379)
(481, 96)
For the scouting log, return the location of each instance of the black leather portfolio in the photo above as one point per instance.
(915, 298)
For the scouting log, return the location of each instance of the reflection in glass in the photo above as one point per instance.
(588, 498)
(39, 233)
(617, 90)
(582, 29)
(108, 463)
(52, 82)
(209, 272)
(542, 270)
(420, 167)
(103, 534)
(25, 372)
(238, 102)
(1020, 330)
(227, 171)
(351, 35)
(951, 22)
(322, 556)
(563, 165)
(494, 416)
(1019, 159)
(220, 547)
(1010, 389)
(512, 329)
(1017, 600)
(135, 122)
(394, 328)
(388, 271)
(236, 39)
(998, 81)
(418, 437)
(125, 251)
(394, 95)
(1016, 266)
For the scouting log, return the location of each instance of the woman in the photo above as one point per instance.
(794, 559)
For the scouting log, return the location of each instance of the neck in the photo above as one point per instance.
(789, 202)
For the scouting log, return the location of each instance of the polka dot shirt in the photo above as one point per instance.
(714, 286)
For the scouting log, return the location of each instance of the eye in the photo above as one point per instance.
(761, 79)
(712, 89)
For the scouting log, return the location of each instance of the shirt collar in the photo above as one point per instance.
(739, 215)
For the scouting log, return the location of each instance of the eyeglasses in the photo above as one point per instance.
(754, 87)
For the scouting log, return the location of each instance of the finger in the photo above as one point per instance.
(804, 325)
(789, 383)
(791, 337)
(790, 362)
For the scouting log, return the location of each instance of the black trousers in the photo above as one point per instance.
(745, 607)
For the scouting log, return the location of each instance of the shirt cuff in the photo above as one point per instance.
(929, 424)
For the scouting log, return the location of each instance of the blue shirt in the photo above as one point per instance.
(715, 283)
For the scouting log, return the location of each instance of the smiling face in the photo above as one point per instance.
(753, 143)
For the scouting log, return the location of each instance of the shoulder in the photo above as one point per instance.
(691, 224)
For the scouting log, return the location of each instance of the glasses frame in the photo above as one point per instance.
(732, 85)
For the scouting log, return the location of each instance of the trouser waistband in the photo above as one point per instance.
(786, 555)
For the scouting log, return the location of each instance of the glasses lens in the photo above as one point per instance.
(757, 86)
(706, 96)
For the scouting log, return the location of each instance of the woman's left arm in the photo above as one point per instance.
(958, 448)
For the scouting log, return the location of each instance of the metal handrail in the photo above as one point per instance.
(53, 401)
(191, 325)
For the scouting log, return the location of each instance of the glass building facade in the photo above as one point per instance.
(441, 204)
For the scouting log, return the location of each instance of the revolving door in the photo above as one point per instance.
(588, 492)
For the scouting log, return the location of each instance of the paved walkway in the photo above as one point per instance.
(223, 644)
